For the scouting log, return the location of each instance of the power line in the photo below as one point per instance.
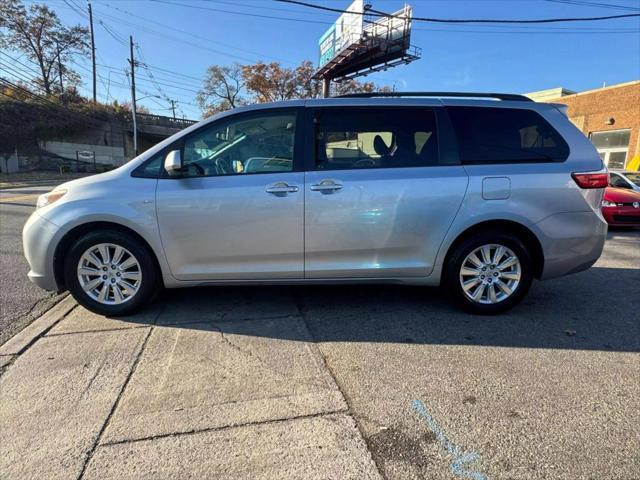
(199, 37)
(378, 13)
(45, 103)
(168, 36)
(290, 19)
(23, 77)
(34, 71)
(116, 36)
(200, 7)
(147, 79)
(75, 8)
(584, 3)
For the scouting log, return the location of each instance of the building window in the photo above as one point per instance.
(612, 146)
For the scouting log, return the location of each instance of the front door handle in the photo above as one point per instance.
(326, 186)
(281, 188)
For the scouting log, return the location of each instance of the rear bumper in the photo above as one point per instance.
(628, 216)
(38, 241)
(571, 242)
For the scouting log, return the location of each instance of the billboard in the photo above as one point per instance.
(346, 31)
(355, 45)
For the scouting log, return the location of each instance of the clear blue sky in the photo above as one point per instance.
(189, 35)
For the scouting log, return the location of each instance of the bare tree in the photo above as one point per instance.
(222, 89)
(38, 33)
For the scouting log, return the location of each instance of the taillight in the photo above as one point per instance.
(591, 180)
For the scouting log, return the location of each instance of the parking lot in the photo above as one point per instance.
(334, 382)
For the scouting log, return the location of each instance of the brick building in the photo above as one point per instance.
(609, 116)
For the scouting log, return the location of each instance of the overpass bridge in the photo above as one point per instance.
(152, 129)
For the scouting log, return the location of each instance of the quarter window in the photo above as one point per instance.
(251, 144)
(505, 135)
(376, 138)
(150, 168)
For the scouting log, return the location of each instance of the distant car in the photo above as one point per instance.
(621, 207)
(625, 179)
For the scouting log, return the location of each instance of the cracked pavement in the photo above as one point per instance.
(322, 382)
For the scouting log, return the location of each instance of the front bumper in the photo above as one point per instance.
(622, 216)
(38, 240)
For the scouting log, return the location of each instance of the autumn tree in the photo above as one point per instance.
(38, 33)
(222, 89)
(231, 86)
(346, 87)
(272, 82)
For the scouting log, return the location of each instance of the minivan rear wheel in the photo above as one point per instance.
(489, 272)
(110, 272)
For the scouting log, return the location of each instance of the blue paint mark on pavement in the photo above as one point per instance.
(460, 458)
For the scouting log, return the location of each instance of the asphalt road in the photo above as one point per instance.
(20, 301)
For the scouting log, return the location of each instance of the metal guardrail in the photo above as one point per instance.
(162, 121)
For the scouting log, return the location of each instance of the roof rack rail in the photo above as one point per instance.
(497, 96)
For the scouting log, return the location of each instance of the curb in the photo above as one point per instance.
(27, 336)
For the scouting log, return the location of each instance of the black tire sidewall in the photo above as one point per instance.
(452, 269)
(150, 275)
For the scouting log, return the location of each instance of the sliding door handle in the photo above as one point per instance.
(281, 188)
(326, 186)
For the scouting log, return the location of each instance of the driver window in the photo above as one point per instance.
(260, 143)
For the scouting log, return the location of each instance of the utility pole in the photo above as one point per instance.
(93, 52)
(173, 108)
(133, 97)
(59, 68)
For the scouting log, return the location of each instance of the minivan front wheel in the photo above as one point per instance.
(489, 273)
(110, 272)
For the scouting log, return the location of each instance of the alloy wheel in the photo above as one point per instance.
(109, 274)
(490, 274)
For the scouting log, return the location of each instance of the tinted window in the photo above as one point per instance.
(150, 168)
(500, 135)
(260, 143)
(376, 138)
(618, 181)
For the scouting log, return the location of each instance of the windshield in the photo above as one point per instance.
(634, 178)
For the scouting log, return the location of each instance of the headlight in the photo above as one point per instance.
(49, 198)
(607, 203)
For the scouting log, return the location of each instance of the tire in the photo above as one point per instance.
(132, 279)
(516, 277)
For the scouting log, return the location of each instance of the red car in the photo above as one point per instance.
(621, 207)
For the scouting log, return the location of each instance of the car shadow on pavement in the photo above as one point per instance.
(593, 310)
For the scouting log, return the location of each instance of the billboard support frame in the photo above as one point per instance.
(359, 44)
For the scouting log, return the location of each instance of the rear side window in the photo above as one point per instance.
(375, 138)
(505, 135)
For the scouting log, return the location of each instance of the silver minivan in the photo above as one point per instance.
(477, 193)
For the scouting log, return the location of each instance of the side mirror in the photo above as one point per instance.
(173, 163)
